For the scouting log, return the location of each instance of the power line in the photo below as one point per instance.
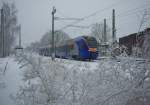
(86, 27)
(131, 11)
(128, 11)
(98, 11)
(78, 26)
(93, 14)
(101, 10)
(62, 14)
(59, 18)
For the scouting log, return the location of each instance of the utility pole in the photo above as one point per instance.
(53, 52)
(2, 34)
(113, 26)
(1, 38)
(55, 40)
(19, 36)
(105, 37)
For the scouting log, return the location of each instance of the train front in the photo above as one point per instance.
(92, 47)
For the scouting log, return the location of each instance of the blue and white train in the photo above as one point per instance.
(81, 48)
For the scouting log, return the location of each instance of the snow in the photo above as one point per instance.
(12, 79)
(75, 82)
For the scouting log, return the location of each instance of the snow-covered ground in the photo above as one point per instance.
(12, 79)
(65, 82)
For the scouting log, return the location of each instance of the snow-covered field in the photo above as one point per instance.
(10, 79)
(36, 80)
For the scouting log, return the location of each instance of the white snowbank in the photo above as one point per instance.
(12, 79)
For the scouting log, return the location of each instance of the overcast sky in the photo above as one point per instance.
(35, 15)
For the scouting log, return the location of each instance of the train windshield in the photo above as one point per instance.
(91, 41)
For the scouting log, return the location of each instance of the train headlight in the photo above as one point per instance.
(92, 49)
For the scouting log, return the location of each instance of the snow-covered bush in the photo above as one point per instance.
(146, 44)
(67, 82)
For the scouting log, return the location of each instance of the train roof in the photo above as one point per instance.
(70, 41)
(84, 36)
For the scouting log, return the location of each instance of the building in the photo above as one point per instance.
(132, 41)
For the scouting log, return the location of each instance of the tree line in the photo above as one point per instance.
(9, 28)
(60, 36)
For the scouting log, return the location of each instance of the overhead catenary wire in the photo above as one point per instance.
(62, 14)
(79, 26)
(88, 26)
(134, 9)
(101, 10)
(92, 14)
(59, 18)
(133, 13)
(120, 16)
(124, 14)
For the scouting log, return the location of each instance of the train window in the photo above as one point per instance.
(91, 41)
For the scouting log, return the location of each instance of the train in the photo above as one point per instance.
(80, 48)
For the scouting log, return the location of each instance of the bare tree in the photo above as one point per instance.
(58, 35)
(46, 40)
(146, 45)
(34, 46)
(10, 24)
(98, 32)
